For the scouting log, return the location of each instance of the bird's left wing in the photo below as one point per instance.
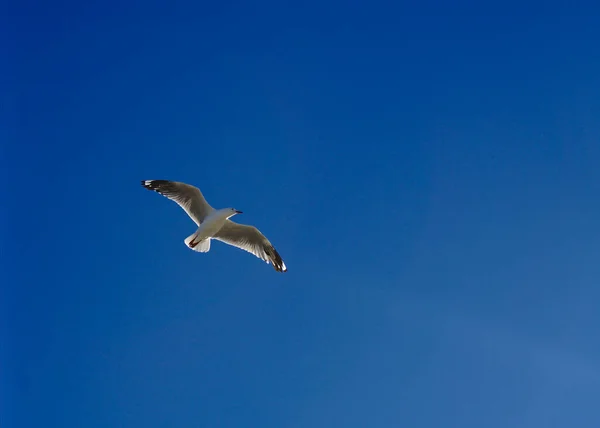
(250, 239)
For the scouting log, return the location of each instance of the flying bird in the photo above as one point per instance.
(215, 224)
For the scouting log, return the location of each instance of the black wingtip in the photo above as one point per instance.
(276, 260)
(153, 184)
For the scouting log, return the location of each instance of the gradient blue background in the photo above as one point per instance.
(429, 173)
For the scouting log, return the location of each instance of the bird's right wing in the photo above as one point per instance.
(188, 197)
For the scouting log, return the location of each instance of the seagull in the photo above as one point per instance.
(215, 224)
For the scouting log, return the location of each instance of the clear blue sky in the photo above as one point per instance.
(429, 173)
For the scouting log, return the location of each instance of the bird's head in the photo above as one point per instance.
(232, 212)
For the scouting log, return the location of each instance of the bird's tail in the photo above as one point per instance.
(195, 243)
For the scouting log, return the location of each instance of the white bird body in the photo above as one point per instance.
(215, 224)
(209, 227)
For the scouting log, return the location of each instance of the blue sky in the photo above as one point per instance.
(428, 173)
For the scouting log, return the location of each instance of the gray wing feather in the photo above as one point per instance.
(188, 197)
(250, 239)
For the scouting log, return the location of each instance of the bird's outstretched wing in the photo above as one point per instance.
(188, 197)
(250, 239)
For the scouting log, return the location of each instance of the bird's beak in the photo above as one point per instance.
(239, 212)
